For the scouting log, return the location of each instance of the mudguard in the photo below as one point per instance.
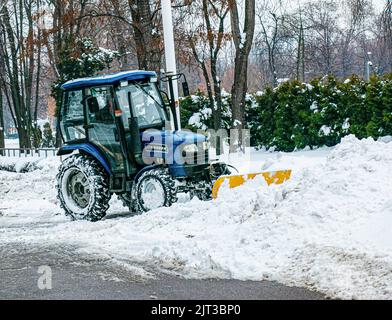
(89, 149)
(144, 170)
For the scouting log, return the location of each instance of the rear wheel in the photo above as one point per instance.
(154, 189)
(82, 188)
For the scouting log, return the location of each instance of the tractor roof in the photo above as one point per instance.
(107, 79)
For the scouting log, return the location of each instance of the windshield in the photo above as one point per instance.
(146, 103)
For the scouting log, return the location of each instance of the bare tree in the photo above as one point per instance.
(294, 28)
(146, 34)
(300, 65)
(271, 21)
(68, 24)
(243, 43)
(143, 17)
(119, 31)
(206, 39)
(17, 45)
(2, 126)
(2, 85)
(356, 11)
(322, 38)
(386, 22)
(215, 41)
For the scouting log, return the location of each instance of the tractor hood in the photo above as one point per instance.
(171, 137)
(171, 145)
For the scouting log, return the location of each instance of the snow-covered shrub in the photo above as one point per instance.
(80, 58)
(18, 164)
(48, 140)
(197, 113)
(295, 115)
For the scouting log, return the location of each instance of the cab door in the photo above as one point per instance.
(101, 126)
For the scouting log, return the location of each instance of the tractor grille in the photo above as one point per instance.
(200, 157)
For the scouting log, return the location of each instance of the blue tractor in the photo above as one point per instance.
(116, 131)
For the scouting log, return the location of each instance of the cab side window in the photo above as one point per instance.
(72, 116)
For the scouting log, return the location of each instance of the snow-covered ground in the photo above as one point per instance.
(328, 228)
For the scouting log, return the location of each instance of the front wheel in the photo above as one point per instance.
(155, 188)
(82, 188)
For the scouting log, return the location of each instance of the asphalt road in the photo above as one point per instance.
(82, 276)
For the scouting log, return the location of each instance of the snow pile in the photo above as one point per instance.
(328, 228)
(29, 197)
(17, 164)
(27, 164)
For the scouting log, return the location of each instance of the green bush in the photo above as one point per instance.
(48, 140)
(295, 115)
(196, 112)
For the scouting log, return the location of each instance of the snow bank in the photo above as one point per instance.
(29, 198)
(328, 228)
(17, 164)
(24, 164)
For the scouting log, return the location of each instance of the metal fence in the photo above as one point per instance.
(24, 153)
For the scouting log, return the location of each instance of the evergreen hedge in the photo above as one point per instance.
(295, 115)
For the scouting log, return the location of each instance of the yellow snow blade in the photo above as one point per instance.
(276, 177)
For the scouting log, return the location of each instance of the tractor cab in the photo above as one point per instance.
(96, 110)
(120, 125)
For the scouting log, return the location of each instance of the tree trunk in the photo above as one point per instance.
(217, 106)
(147, 39)
(271, 46)
(37, 84)
(36, 140)
(387, 32)
(206, 76)
(16, 69)
(209, 88)
(301, 55)
(243, 47)
(214, 49)
(2, 128)
(58, 139)
(238, 93)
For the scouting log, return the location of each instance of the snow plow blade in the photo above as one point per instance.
(275, 177)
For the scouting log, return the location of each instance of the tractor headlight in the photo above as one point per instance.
(190, 148)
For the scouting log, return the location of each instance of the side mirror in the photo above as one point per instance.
(185, 89)
(92, 103)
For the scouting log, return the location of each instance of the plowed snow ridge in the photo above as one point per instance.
(328, 228)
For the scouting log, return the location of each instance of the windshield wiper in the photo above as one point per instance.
(149, 94)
